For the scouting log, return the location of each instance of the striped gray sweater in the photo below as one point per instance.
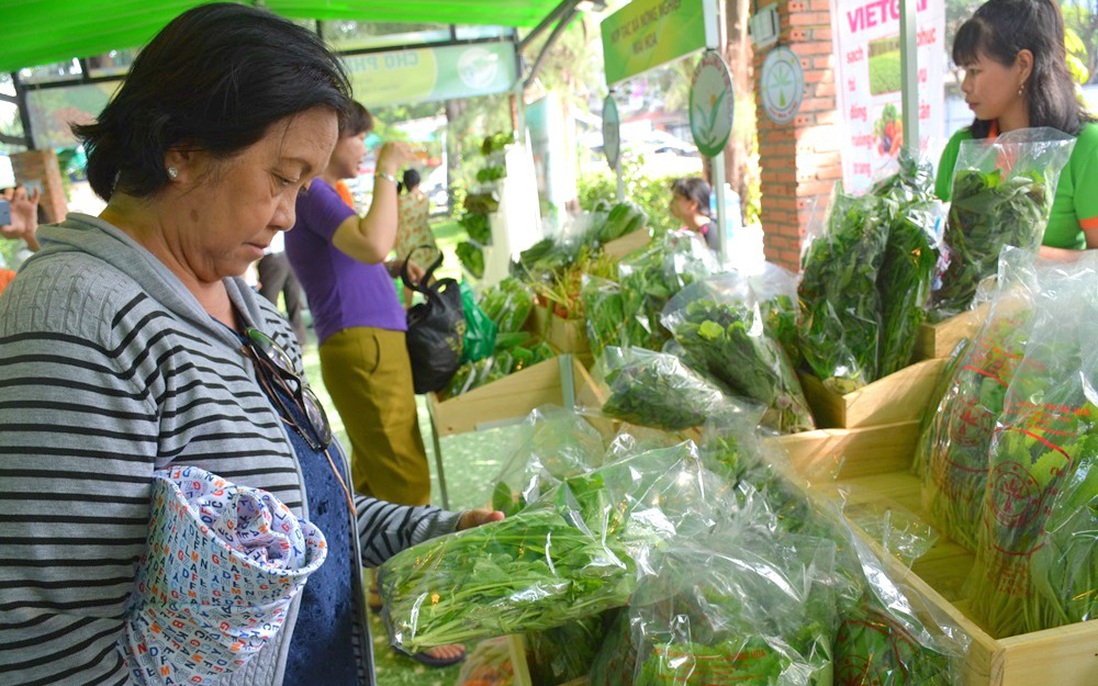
(110, 369)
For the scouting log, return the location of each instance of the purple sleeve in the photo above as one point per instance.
(321, 210)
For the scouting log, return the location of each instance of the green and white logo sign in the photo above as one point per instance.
(611, 131)
(431, 74)
(711, 104)
(782, 85)
(647, 33)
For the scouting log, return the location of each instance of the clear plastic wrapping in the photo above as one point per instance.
(1036, 559)
(569, 555)
(729, 327)
(954, 447)
(659, 390)
(1002, 193)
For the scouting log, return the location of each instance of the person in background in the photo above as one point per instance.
(1016, 77)
(276, 276)
(129, 344)
(690, 205)
(23, 227)
(414, 228)
(340, 259)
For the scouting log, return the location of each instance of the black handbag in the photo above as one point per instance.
(436, 328)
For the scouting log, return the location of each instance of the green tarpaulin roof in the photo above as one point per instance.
(34, 32)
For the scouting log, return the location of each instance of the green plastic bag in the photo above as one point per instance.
(480, 330)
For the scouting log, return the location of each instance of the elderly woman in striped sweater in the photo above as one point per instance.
(128, 346)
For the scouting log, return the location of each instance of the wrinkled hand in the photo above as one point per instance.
(393, 156)
(472, 518)
(24, 217)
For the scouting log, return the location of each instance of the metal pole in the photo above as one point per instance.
(712, 32)
(621, 181)
(909, 68)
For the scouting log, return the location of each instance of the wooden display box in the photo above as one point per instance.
(509, 398)
(939, 340)
(898, 397)
(629, 243)
(874, 469)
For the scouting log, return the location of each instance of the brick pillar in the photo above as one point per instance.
(41, 166)
(800, 159)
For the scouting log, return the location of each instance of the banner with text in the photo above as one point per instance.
(397, 77)
(647, 33)
(868, 81)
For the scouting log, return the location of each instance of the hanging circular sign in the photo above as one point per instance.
(711, 104)
(611, 131)
(782, 85)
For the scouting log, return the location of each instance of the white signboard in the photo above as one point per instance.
(868, 81)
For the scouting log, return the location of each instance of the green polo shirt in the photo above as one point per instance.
(1071, 212)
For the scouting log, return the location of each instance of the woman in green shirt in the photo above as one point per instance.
(1016, 77)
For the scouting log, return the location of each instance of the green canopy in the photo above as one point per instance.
(34, 32)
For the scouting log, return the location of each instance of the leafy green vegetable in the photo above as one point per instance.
(604, 307)
(568, 556)
(840, 305)
(904, 283)
(482, 203)
(478, 227)
(954, 447)
(750, 661)
(508, 304)
(496, 142)
(658, 390)
(472, 258)
(988, 212)
(729, 340)
(622, 220)
(872, 649)
(490, 174)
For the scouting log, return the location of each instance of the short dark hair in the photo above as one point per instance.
(358, 120)
(409, 181)
(1000, 29)
(214, 79)
(694, 188)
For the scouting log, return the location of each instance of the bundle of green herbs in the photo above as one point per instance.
(840, 305)
(720, 324)
(905, 281)
(658, 390)
(1002, 194)
(1039, 477)
(508, 304)
(568, 556)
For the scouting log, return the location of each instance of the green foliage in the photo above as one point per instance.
(651, 194)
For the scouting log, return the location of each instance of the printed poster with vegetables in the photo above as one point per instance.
(868, 80)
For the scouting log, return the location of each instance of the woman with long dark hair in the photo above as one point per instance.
(1016, 77)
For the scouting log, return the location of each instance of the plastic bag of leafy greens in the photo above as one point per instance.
(658, 390)
(603, 304)
(889, 635)
(488, 665)
(1002, 193)
(954, 447)
(572, 554)
(905, 280)
(839, 302)
(508, 304)
(560, 655)
(616, 659)
(737, 608)
(480, 330)
(720, 324)
(1048, 429)
(651, 276)
(553, 444)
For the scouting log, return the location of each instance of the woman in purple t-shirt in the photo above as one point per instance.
(340, 260)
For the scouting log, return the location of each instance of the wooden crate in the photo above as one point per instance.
(939, 340)
(898, 397)
(510, 398)
(629, 243)
(875, 470)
